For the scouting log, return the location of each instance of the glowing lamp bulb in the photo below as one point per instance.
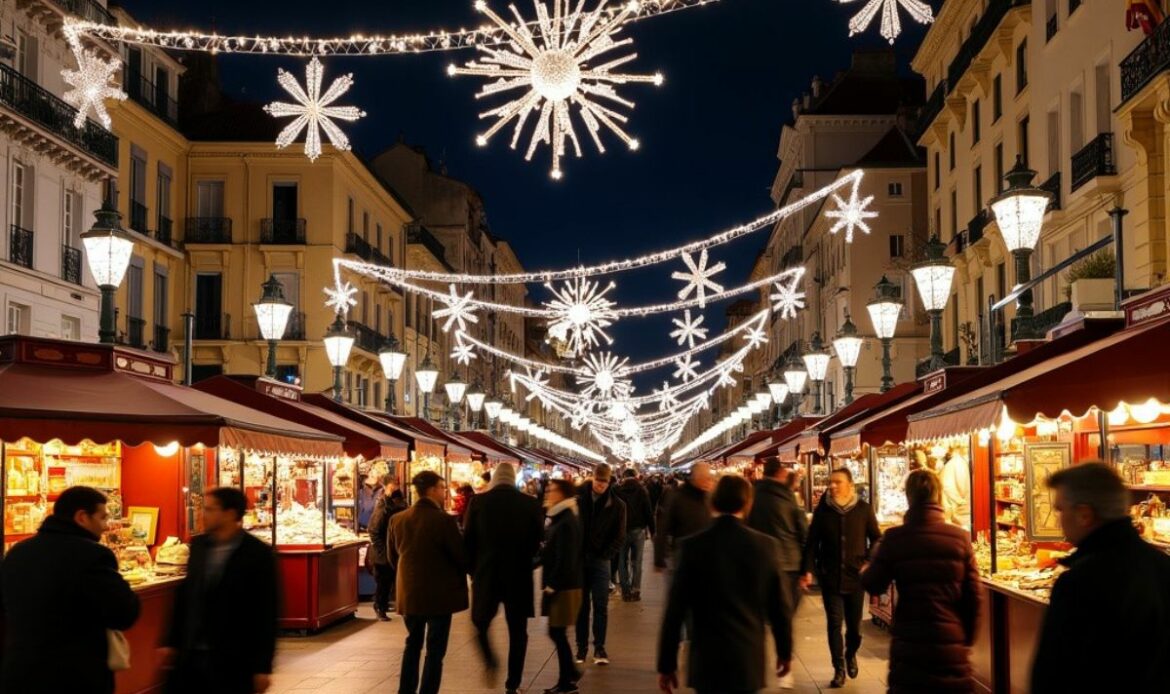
(167, 450)
(1118, 416)
(580, 314)
(1145, 412)
(604, 381)
(555, 75)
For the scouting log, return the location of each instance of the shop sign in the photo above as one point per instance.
(935, 382)
(277, 389)
(1153, 306)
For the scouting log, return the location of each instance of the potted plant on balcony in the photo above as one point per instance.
(1090, 282)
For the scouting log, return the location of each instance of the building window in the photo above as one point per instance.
(1021, 66)
(895, 189)
(366, 226)
(997, 98)
(938, 222)
(377, 393)
(1024, 143)
(163, 197)
(71, 218)
(21, 174)
(378, 234)
(70, 328)
(26, 55)
(1053, 142)
(1001, 280)
(951, 152)
(976, 125)
(937, 170)
(954, 213)
(999, 182)
(17, 322)
(897, 245)
(349, 217)
(209, 198)
(289, 373)
(977, 189)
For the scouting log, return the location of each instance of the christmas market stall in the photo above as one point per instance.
(453, 462)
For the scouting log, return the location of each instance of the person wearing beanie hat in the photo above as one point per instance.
(502, 534)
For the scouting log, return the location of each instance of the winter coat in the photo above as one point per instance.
(235, 617)
(384, 509)
(427, 548)
(60, 591)
(561, 554)
(1107, 627)
(684, 512)
(603, 523)
(501, 534)
(838, 544)
(728, 584)
(776, 513)
(639, 510)
(933, 565)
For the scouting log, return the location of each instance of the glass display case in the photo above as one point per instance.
(818, 478)
(891, 466)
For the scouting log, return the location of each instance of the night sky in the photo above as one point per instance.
(708, 136)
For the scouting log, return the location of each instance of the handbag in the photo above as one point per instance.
(118, 657)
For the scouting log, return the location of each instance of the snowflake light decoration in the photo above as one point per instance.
(688, 331)
(536, 382)
(891, 25)
(552, 61)
(602, 376)
(667, 402)
(755, 337)
(92, 83)
(726, 380)
(341, 297)
(459, 310)
(582, 314)
(787, 300)
(851, 214)
(698, 279)
(687, 370)
(313, 111)
(463, 352)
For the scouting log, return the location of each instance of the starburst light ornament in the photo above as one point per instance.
(698, 278)
(463, 352)
(787, 299)
(667, 402)
(582, 314)
(92, 83)
(851, 214)
(891, 25)
(755, 337)
(554, 61)
(687, 370)
(313, 111)
(340, 298)
(459, 310)
(602, 376)
(688, 331)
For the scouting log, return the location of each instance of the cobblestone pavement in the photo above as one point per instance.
(364, 655)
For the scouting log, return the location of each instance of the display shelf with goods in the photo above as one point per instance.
(819, 476)
(891, 465)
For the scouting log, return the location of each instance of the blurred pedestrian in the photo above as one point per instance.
(603, 523)
(729, 584)
(1107, 626)
(639, 522)
(776, 513)
(222, 636)
(427, 548)
(684, 513)
(502, 536)
(462, 499)
(60, 591)
(933, 564)
(562, 577)
(389, 503)
(842, 534)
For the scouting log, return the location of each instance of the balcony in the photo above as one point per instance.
(138, 218)
(416, 233)
(213, 326)
(135, 332)
(980, 35)
(71, 264)
(361, 248)
(933, 106)
(1093, 160)
(40, 106)
(1045, 320)
(366, 337)
(151, 97)
(20, 246)
(1050, 28)
(1052, 185)
(1145, 62)
(87, 10)
(282, 231)
(164, 233)
(977, 226)
(207, 230)
(162, 339)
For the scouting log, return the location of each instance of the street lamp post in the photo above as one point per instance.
(933, 277)
(107, 251)
(817, 362)
(1019, 213)
(393, 359)
(338, 343)
(427, 376)
(848, 347)
(884, 310)
(796, 377)
(475, 401)
(455, 388)
(272, 314)
(778, 388)
(493, 407)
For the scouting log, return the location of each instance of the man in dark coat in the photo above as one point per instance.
(639, 521)
(728, 582)
(938, 594)
(502, 533)
(603, 524)
(389, 503)
(840, 538)
(60, 591)
(427, 548)
(684, 512)
(222, 636)
(1107, 627)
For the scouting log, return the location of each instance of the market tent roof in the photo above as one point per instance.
(1129, 366)
(45, 403)
(360, 440)
(563, 459)
(812, 438)
(422, 443)
(722, 452)
(486, 439)
(456, 451)
(490, 453)
(783, 435)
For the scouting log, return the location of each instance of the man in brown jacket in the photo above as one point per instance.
(427, 548)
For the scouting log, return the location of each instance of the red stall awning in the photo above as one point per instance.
(412, 439)
(815, 437)
(488, 453)
(485, 439)
(456, 451)
(752, 438)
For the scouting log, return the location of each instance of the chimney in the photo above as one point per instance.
(796, 109)
(806, 100)
(817, 85)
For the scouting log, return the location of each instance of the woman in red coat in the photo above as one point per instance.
(933, 565)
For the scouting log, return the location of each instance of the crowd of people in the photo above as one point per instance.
(737, 557)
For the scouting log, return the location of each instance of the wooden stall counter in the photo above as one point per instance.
(146, 673)
(1013, 619)
(319, 584)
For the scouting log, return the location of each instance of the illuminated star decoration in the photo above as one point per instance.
(552, 61)
(725, 379)
(92, 85)
(687, 368)
(787, 300)
(755, 337)
(536, 382)
(459, 310)
(463, 352)
(582, 314)
(851, 215)
(699, 278)
(667, 402)
(341, 297)
(313, 111)
(688, 330)
(891, 25)
(601, 376)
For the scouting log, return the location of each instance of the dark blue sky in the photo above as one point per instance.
(708, 136)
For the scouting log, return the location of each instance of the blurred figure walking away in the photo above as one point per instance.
(561, 578)
(502, 534)
(389, 503)
(684, 513)
(223, 630)
(603, 522)
(729, 584)
(427, 548)
(639, 522)
(933, 564)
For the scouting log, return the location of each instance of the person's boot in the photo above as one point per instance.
(637, 597)
(838, 679)
(851, 666)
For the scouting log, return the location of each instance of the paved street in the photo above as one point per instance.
(364, 655)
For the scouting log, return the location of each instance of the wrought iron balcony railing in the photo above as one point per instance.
(44, 108)
(207, 230)
(1149, 59)
(20, 246)
(361, 248)
(1050, 28)
(88, 10)
(1093, 160)
(213, 326)
(138, 217)
(366, 337)
(282, 231)
(416, 233)
(151, 97)
(136, 332)
(1052, 185)
(71, 264)
(162, 338)
(164, 232)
